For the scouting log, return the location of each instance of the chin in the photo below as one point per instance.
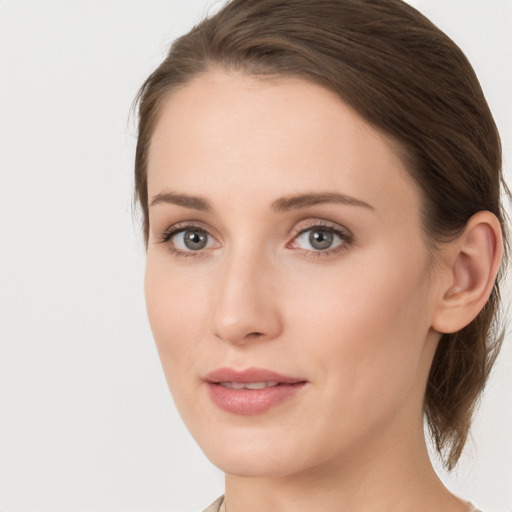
(249, 454)
(254, 464)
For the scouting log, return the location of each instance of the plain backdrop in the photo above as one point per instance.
(86, 420)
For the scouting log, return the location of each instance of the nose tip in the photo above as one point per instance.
(239, 323)
(246, 310)
(237, 331)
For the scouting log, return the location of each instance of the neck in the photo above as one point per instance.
(396, 477)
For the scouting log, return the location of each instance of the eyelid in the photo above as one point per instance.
(166, 236)
(347, 237)
(301, 227)
(182, 226)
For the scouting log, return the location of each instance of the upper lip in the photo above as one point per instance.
(249, 375)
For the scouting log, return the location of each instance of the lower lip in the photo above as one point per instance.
(251, 401)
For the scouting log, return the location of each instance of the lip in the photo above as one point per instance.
(251, 401)
(249, 375)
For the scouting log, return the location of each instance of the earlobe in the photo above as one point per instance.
(474, 261)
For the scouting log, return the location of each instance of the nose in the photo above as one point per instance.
(246, 307)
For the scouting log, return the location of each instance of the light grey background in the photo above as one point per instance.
(86, 421)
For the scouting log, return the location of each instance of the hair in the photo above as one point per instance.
(405, 77)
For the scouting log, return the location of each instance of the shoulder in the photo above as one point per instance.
(215, 506)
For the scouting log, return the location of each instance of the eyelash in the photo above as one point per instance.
(166, 236)
(345, 236)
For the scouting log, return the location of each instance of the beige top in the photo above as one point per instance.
(216, 505)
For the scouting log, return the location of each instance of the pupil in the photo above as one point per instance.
(195, 240)
(321, 239)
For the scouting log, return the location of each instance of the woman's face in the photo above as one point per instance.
(288, 283)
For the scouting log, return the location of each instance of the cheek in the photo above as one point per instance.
(360, 298)
(366, 327)
(176, 305)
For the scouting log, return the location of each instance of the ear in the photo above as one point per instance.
(473, 261)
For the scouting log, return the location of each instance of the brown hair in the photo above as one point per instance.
(405, 77)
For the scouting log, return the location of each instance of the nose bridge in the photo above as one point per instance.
(244, 308)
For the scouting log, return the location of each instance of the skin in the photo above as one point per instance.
(356, 322)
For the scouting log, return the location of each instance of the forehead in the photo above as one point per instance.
(282, 135)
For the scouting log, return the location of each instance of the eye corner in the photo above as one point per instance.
(200, 239)
(329, 234)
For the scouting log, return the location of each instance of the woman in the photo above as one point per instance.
(320, 188)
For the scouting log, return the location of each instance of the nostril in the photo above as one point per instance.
(246, 319)
(253, 336)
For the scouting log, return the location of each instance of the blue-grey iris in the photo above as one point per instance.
(195, 240)
(321, 239)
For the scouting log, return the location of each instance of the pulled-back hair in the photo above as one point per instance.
(409, 80)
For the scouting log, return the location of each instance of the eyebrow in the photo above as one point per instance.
(306, 200)
(283, 204)
(196, 203)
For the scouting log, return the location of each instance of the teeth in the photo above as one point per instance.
(249, 385)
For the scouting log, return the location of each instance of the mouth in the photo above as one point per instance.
(249, 385)
(259, 376)
(251, 391)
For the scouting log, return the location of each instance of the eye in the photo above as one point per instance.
(324, 239)
(191, 239)
(184, 241)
